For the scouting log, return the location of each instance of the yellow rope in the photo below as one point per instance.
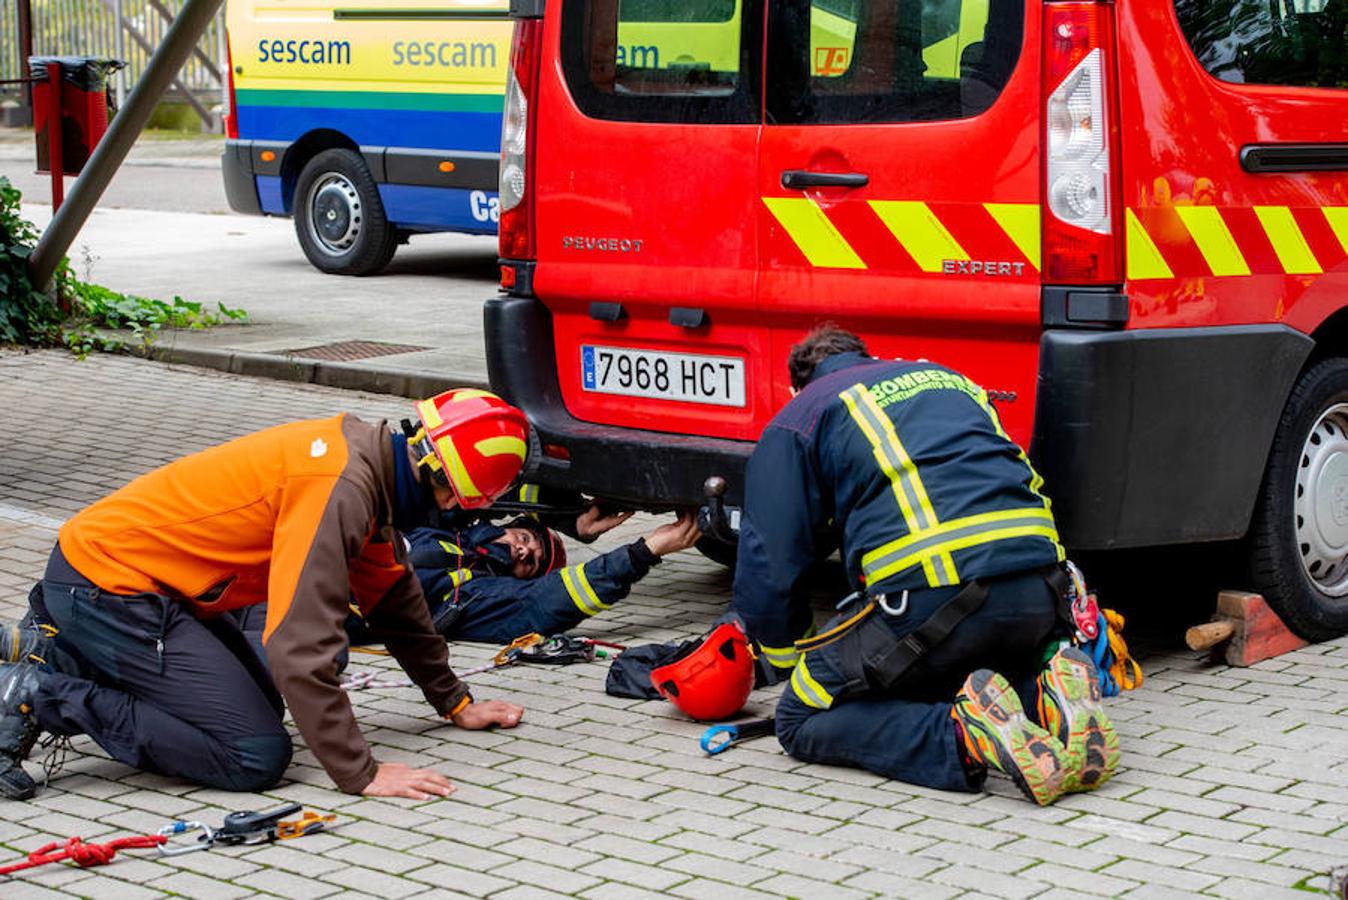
(1127, 673)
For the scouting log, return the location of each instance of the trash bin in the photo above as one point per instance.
(83, 106)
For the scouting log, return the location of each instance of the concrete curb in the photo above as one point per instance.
(399, 382)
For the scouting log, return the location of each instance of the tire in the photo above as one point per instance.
(339, 217)
(1299, 535)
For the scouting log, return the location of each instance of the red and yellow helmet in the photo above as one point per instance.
(473, 442)
(714, 680)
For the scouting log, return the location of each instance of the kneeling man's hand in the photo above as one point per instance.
(476, 716)
(398, 780)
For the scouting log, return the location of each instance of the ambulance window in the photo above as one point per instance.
(1283, 42)
(663, 11)
(841, 61)
(664, 60)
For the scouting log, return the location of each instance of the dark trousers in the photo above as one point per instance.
(159, 689)
(907, 733)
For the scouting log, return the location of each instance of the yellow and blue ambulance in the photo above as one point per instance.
(367, 122)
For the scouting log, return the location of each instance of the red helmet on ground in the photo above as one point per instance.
(473, 442)
(714, 680)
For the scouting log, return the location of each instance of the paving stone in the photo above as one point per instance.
(620, 847)
(631, 873)
(457, 878)
(991, 883)
(705, 889)
(288, 885)
(375, 882)
(1241, 889)
(551, 877)
(886, 884)
(193, 885)
(1079, 881)
(1150, 873)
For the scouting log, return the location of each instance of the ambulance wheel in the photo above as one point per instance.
(1299, 536)
(717, 551)
(339, 217)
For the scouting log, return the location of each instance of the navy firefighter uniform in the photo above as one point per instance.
(907, 463)
(465, 575)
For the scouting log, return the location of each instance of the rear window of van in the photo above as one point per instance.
(828, 61)
(664, 60)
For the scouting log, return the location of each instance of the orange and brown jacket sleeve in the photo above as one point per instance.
(322, 527)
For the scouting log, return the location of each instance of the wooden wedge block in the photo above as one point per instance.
(1243, 631)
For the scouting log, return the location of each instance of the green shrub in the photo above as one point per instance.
(69, 313)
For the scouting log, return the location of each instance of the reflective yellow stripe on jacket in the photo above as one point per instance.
(810, 691)
(895, 462)
(779, 657)
(578, 586)
(957, 534)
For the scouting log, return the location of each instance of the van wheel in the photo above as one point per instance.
(339, 217)
(1299, 536)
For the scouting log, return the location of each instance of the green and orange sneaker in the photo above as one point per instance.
(1070, 709)
(998, 734)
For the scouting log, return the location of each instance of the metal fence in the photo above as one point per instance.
(90, 28)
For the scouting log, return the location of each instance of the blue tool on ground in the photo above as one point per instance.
(719, 738)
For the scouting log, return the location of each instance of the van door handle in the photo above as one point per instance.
(801, 178)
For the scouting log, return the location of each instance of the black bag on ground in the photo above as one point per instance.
(630, 674)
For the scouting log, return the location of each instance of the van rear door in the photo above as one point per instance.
(646, 238)
(900, 183)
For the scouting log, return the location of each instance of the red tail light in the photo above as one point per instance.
(231, 115)
(1082, 215)
(517, 141)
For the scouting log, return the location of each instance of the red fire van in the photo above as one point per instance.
(1127, 220)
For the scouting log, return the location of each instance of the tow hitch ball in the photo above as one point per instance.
(715, 518)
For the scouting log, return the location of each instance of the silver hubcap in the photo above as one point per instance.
(334, 213)
(1321, 504)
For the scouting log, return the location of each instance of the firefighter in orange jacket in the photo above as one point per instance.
(128, 646)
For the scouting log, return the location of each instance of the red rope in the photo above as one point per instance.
(83, 854)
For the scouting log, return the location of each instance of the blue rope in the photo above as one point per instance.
(1103, 657)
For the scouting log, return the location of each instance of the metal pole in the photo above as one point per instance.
(126, 126)
(25, 10)
(120, 42)
(56, 160)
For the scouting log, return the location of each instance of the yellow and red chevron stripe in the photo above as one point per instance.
(1161, 242)
(1203, 241)
(913, 235)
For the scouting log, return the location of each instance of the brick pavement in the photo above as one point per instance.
(1235, 783)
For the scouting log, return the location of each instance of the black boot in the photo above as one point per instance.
(26, 640)
(30, 641)
(18, 728)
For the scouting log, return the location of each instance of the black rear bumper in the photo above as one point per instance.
(1144, 437)
(646, 468)
(1159, 436)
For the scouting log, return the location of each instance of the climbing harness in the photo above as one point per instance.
(720, 738)
(243, 827)
(559, 649)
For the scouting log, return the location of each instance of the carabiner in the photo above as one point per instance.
(883, 601)
(205, 842)
(730, 733)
